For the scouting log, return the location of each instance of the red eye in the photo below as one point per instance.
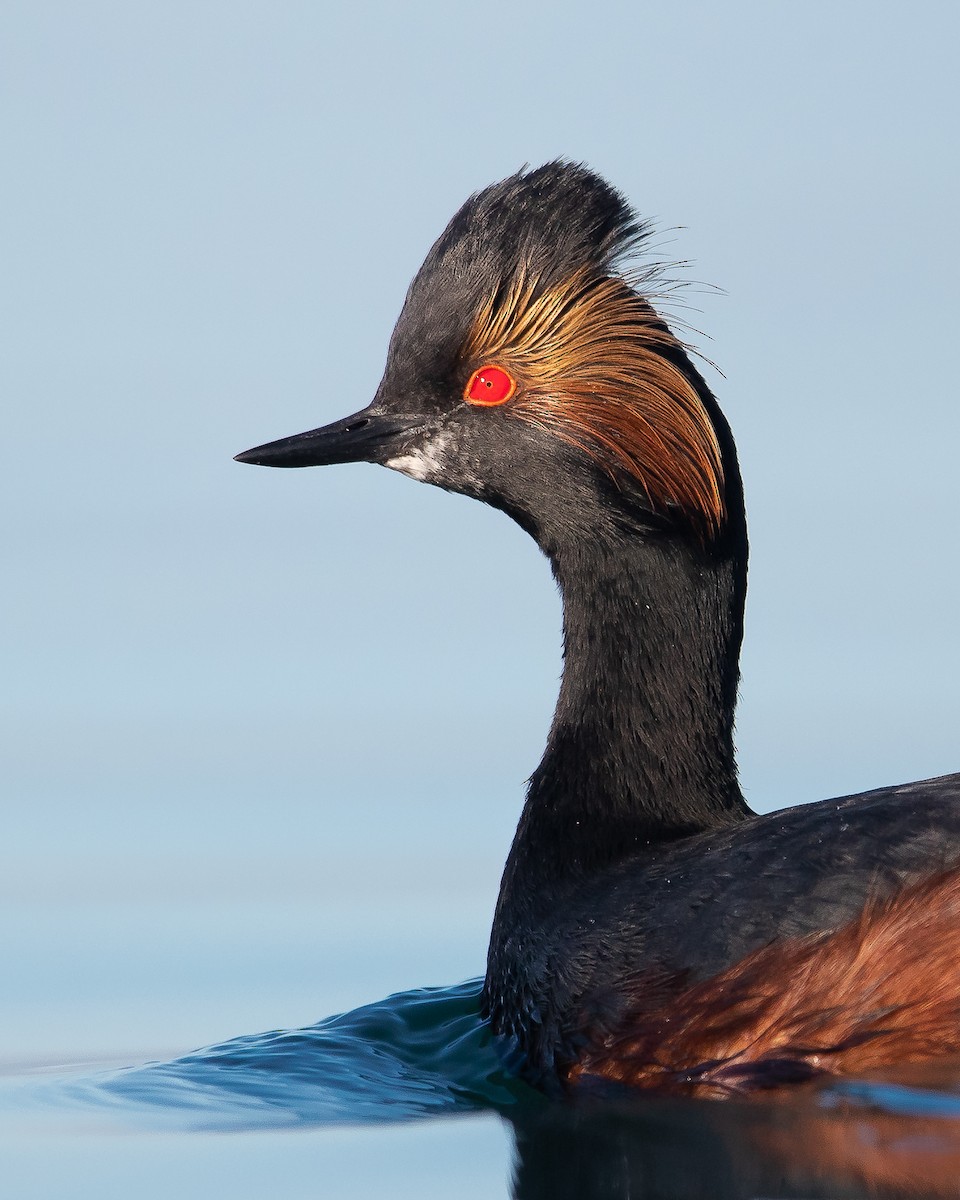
(490, 385)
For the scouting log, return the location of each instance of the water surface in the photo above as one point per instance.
(420, 1059)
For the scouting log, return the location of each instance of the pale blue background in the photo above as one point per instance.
(266, 732)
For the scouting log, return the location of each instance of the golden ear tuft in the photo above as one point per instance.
(598, 370)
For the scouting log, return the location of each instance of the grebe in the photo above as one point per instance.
(650, 930)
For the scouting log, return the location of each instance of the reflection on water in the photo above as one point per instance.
(793, 1148)
(427, 1053)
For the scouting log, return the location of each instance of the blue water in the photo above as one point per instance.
(417, 1054)
(424, 1055)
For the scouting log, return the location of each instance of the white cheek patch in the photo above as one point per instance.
(418, 464)
(425, 462)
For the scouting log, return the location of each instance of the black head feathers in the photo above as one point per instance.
(550, 222)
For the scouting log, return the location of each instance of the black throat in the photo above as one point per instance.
(641, 747)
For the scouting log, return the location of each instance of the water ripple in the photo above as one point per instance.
(415, 1054)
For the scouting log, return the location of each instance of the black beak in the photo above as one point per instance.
(367, 436)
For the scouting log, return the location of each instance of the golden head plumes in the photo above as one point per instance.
(595, 367)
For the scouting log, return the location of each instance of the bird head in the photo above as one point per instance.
(528, 369)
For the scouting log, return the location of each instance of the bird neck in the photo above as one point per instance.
(641, 746)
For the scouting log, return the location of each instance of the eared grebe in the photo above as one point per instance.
(650, 930)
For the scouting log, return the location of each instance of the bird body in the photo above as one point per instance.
(576, 968)
(642, 903)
